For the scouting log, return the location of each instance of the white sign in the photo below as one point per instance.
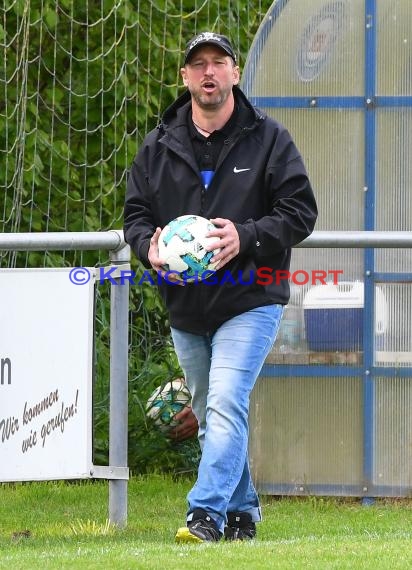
(46, 365)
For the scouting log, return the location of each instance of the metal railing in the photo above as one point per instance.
(113, 240)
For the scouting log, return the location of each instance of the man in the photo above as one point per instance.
(215, 155)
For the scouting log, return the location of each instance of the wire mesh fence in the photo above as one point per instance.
(80, 85)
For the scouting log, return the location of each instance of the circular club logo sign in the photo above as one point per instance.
(319, 39)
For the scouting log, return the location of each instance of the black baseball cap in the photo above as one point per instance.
(209, 38)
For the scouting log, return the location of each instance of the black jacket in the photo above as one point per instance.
(270, 202)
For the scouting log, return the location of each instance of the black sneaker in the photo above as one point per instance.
(240, 527)
(202, 528)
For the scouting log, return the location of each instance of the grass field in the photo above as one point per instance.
(62, 525)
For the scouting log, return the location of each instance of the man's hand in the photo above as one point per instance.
(156, 262)
(187, 426)
(153, 253)
(229, 243)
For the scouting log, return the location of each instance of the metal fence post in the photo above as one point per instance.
(118, 432)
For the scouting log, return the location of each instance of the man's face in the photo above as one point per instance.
(209, 76)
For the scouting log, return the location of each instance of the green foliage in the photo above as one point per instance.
(80, 85)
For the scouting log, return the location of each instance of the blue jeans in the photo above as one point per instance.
(220, 371)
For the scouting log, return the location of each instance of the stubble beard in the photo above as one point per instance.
(213, 102)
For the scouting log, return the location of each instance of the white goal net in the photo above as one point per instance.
(80, 85)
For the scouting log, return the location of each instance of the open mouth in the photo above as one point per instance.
(209, 86)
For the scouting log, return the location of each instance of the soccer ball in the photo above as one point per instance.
(166, 401)
(182, 244)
